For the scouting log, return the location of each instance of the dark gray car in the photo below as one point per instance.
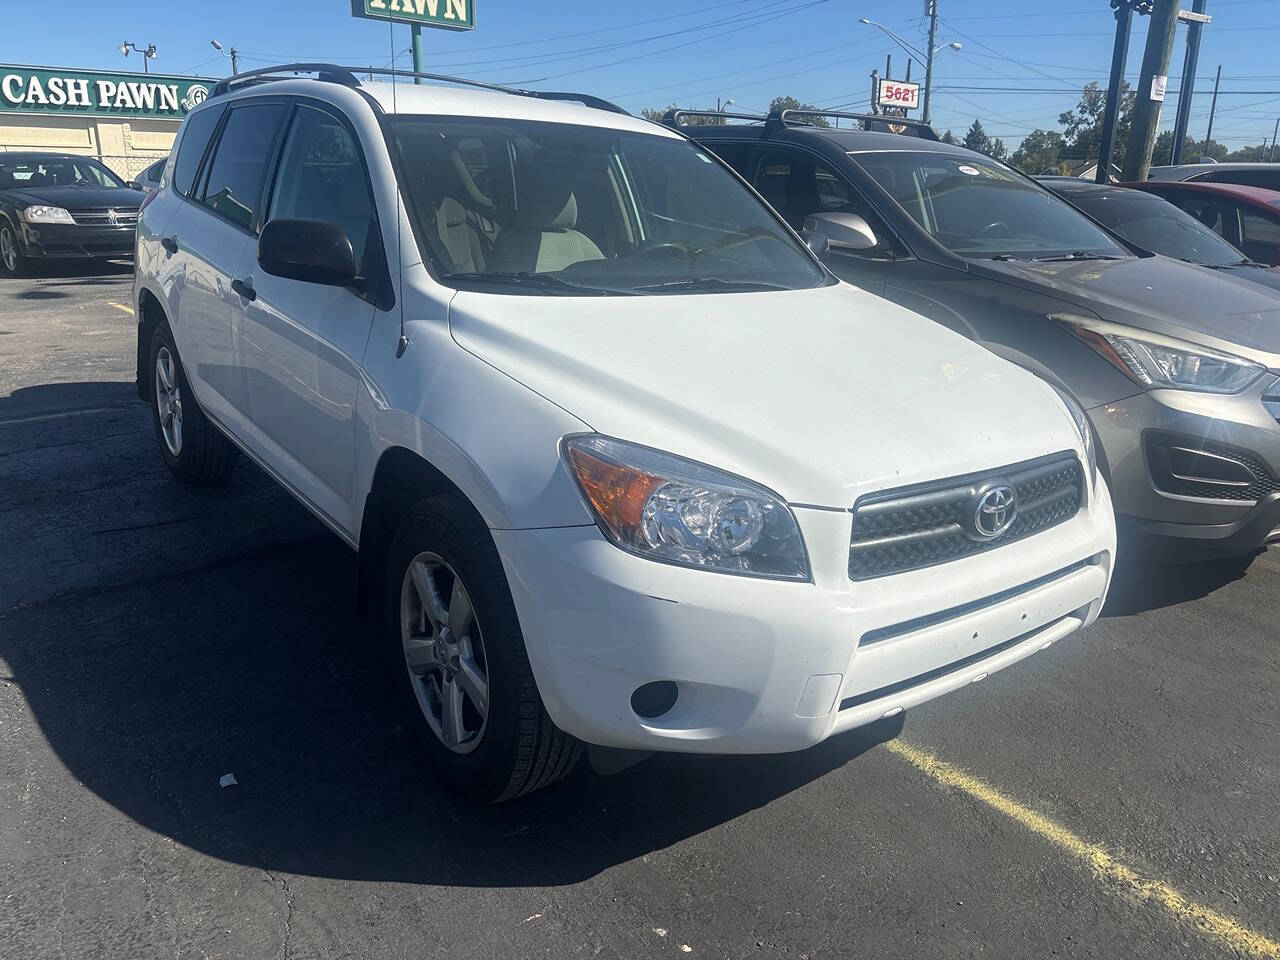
(1156, 225)
(1175, 363)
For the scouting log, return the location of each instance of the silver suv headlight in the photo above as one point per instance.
(40, 213)
(666, 508)
(1154, 361)
(1085, 431)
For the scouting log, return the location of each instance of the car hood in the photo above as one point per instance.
(1162, 296)
(821, 395)
(80, 198)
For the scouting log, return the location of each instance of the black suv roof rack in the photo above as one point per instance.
(673, 117)
(793, 117)
(346, 76)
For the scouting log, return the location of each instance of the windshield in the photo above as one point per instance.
(1155, 224)
(519, 206)
(56, 172)
(979, 209)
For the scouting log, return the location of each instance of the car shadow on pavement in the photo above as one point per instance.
(1139, 587)
(259, 667)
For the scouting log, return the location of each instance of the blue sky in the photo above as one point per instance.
(750, 50)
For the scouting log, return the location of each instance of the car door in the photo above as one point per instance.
(208, 239)
(799, 184)
(302, 343)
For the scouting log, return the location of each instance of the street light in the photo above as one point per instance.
(235, 56)
(914, 51)
(149, 53)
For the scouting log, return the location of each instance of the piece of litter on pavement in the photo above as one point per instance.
(659, 931)
(528, 919)
(685, 948)
(227, 780)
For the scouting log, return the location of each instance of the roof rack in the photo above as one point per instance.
(673, 118)
(792, 117)
(346, 76)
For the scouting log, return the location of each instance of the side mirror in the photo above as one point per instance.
(135, 185)
(313, 251)
(844, 231)
(816, 241)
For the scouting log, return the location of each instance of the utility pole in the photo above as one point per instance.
(1189, 66)
(1119, 56)
(1271, 154)
(235, 61)
(415, 30)
(1161, 31)
(928, 66)
(1213, 108)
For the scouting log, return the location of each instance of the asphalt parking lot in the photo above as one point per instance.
(1113, 796)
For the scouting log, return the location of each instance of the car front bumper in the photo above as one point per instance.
(64, 241)
(764, 666)
(1159, 519)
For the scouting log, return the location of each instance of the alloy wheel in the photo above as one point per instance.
(444, 652)
(8, 249)
(169, 400)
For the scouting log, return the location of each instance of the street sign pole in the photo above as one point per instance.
(1188, 82)
(416, 30)
(1119, 55)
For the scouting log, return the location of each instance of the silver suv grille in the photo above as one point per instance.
(919, 526)
(101, 217)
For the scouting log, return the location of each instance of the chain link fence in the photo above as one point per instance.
(128, 166)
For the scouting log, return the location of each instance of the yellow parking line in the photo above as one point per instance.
(1208, 921)
(121, 307)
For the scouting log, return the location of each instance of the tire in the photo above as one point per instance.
(198, 452)
(513, 747)
(12, 261)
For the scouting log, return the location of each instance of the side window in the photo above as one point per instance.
(797, 186)
(233, 187)
(736, 155)
(323, 178)
(1259, 237)
(195, 137)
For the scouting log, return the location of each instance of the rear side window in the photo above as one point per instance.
(1268, 178)
(323, 178)
(195, 137)
(234, 185)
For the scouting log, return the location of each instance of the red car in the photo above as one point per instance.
(1246, 217)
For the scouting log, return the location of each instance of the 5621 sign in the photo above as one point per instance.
(896, 93)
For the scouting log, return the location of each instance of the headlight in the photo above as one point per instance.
(1154, 361)
(42, 214)
(667, 508)
(1086, 433)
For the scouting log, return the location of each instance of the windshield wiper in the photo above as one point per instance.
(1010, 258)
(1078, 255)
(711, 283)
(541, 281)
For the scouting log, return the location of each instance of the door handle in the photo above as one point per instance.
(245, 289)
(170, 244)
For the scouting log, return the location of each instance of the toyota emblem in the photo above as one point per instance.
(995, 509)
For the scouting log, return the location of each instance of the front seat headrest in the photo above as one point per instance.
(547, 201)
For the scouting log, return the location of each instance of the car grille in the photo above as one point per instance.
(933, 523)
(101, 217)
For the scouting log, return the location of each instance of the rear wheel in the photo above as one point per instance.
(458, 659)
(192, 447)
(12, 261)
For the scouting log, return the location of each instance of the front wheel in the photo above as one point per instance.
(12, 261)
(458, 660)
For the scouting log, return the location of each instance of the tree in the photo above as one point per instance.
(1083, 124)
(950, 138)
(791, 103)
(998, 150)
(977, 139)
(1039, 153)
(1259, 154)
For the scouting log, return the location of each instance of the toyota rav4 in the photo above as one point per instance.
(624, 464)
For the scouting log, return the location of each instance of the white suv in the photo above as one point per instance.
(623, 463)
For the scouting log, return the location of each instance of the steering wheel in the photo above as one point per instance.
(996, 229)
(657, 247)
